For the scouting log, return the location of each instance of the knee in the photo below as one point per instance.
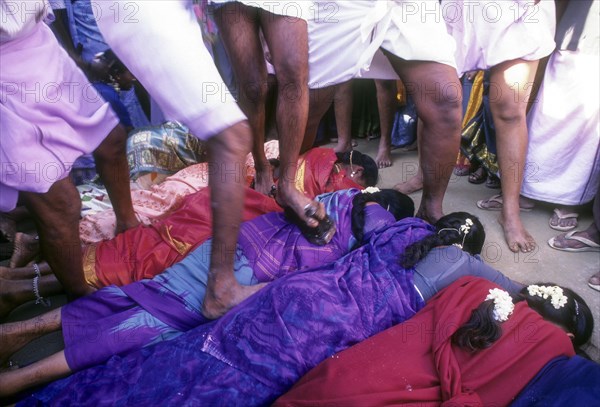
(444, 112)
(113, 145)
(254, 89)
(508, 112)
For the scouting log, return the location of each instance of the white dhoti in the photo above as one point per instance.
(294, 9)
(563, 158)
(345, 38)
(490, 32)
(160, 41)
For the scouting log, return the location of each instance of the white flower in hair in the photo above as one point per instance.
(503, 305)
(466, 227)
(370, 190)
(555, 293)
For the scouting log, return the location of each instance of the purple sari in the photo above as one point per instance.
(118, 320)
(260, 348)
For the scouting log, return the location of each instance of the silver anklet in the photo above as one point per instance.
(36, 289)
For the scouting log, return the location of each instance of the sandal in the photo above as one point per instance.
(462, 166)
(495, 203)
(478, 176)
(589, 245)
(594, 282)
(319, 235)
(493, 182)
(560, 216)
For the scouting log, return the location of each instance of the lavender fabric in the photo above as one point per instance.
(118, 320)
(275, 247)
(264, 345)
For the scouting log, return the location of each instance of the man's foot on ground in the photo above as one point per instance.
(563, 220)
(26, 249)
(383, 159)
(575, 241)
(216, 305)
(412, 185)
(516, 236)
(263, 181)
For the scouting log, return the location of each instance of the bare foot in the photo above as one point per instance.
(8, 227)
(26, 249)
(563, 220)
(384, 158)
(428, 215)
(216, 304)
(263, 180)
(291, 198)
(344, 146)
(412, 185)
(516, 236)
(576, 241)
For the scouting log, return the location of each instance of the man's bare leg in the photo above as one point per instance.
(386, 104)
(56, 214)
(227, 152)
(239, 28)
(342, 105)
(288, 42)
(15, 335)
(512, 82)
(432, 85)
(46, 370)
(320, 99)
(111, 164)
(414, 183)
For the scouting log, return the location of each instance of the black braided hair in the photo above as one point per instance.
(397, 203)
(370, 170)
(482, 330)
(449, 232)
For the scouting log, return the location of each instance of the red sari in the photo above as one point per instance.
(146, 251)
(416, 361)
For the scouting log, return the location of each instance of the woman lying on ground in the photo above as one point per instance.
(259, 349)
(454, 351)
(268, 247)
(182, 208)
(320, 170)
(146, 251)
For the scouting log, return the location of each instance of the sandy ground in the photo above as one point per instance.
(545, 264)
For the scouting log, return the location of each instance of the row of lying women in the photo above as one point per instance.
(391, 310)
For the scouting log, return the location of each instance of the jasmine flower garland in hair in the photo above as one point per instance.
(503, 305)
(555, 293)
(466, 227)
(370, 190)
